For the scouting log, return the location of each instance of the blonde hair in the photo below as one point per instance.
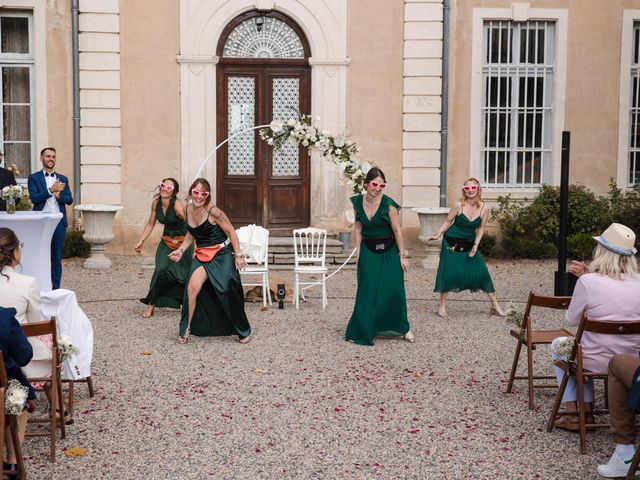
(606, 262)
(478, 198)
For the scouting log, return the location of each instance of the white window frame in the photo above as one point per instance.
(630, 17)
(519, 12)
(37, 11)
(22, 60)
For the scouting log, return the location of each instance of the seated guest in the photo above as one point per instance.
(606, 290)
(624, 401)
(22, 293)
(16, 353)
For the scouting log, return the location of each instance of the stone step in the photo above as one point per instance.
(284, 245)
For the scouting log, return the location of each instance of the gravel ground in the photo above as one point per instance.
(300, 402)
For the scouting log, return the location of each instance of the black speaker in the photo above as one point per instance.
(280, 294)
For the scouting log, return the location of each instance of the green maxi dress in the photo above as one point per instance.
(381, 303)
(220, 304)
(457, 271)
(168, 280)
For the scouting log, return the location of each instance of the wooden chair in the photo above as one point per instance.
(528, 337)
(12, 422)
(635, 461)
(34, 330)
(71, 390)
(309, 246)
(573, 367)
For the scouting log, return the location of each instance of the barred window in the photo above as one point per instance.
(517, 76)
(16, 85)
(634, 123)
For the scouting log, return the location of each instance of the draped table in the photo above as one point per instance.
(35, 229)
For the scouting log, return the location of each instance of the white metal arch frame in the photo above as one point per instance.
(324, 25)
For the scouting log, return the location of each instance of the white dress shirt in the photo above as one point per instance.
(51, 205)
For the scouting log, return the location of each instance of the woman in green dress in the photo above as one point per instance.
(168, 280)
(214, 299)
(381, 303)
(461, 265)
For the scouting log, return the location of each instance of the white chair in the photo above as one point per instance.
(254, 243)
(309, 246)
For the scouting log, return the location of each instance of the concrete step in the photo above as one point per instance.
(281, 251)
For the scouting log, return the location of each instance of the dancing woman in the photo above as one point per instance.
(461, 265)
(169, 278)
(214, 299)
(381, 303)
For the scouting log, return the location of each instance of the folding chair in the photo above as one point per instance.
(633, 468)
(530, 338)
(573, 367)
(35, 330)
(254, 242)
(12, 422)
(309, 246)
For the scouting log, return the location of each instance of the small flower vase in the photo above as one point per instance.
(11, 205)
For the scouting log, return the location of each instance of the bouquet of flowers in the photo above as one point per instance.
(66, 349)
(514, 316)
(303, 131)
(15, 397)
(562, 347)
(13, 192)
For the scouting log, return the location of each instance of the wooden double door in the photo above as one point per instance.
(255, 183)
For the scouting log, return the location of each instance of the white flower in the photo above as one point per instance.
(6, 189)
(270, 141)
(293, 140)
(305, 143)
(339, 142)
(291, 122)
(66, 348)
(275, 126)
(338, 151)
(366, 166)
(15, 397)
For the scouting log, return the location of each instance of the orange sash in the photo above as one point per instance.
(206, 254)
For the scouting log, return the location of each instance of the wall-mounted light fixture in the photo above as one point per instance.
(259, 22)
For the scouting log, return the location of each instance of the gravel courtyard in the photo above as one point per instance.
(300, 402)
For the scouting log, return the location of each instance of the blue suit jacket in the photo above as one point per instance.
(39, 193)
(16, 349)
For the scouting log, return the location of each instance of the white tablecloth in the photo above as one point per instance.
(35, 229)
(72, 322)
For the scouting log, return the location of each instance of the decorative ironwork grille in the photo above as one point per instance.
(634, 124)
(275, 39)
(286, 101)
(517, 81)
(241, 105)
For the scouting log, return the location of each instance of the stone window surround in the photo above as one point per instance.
(37, 24)
(629, 18)
(518, 12)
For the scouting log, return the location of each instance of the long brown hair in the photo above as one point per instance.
(478, 199)
(8, 244)
(205, 184)
(176, 187)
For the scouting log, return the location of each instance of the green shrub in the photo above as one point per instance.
(487, 245)
(581, 245)
(625, 208)
(75, 245)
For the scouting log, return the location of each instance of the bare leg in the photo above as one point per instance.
(193, 289)
(148, 312)
(442, 309)
(495, 306)
(22, 426)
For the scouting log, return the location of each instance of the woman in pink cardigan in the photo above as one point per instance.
(608, 289)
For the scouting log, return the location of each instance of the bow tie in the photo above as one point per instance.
(52, 174)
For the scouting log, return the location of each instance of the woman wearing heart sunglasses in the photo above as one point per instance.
(381, 304)
(461, 266)
(169, 278)
(214, 299)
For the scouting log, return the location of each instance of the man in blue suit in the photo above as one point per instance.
(49, 192)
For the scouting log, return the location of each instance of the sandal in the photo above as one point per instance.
(409, 337)
(68, 420)
(567, 422)
(244, 340)
(185, 338)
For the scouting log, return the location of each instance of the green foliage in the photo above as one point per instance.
(581, 245)
(532, 231)
(75, 245)
(487, 245)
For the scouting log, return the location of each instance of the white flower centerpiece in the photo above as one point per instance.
(15, 397)
(12, 195)
(304, 131)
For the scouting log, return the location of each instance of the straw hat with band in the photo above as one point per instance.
(618, 239)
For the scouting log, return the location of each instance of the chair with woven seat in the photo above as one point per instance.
(254, 243)
(12, 423)
(35, 330)
(573, 367)
(309, 246)
(530, 338)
